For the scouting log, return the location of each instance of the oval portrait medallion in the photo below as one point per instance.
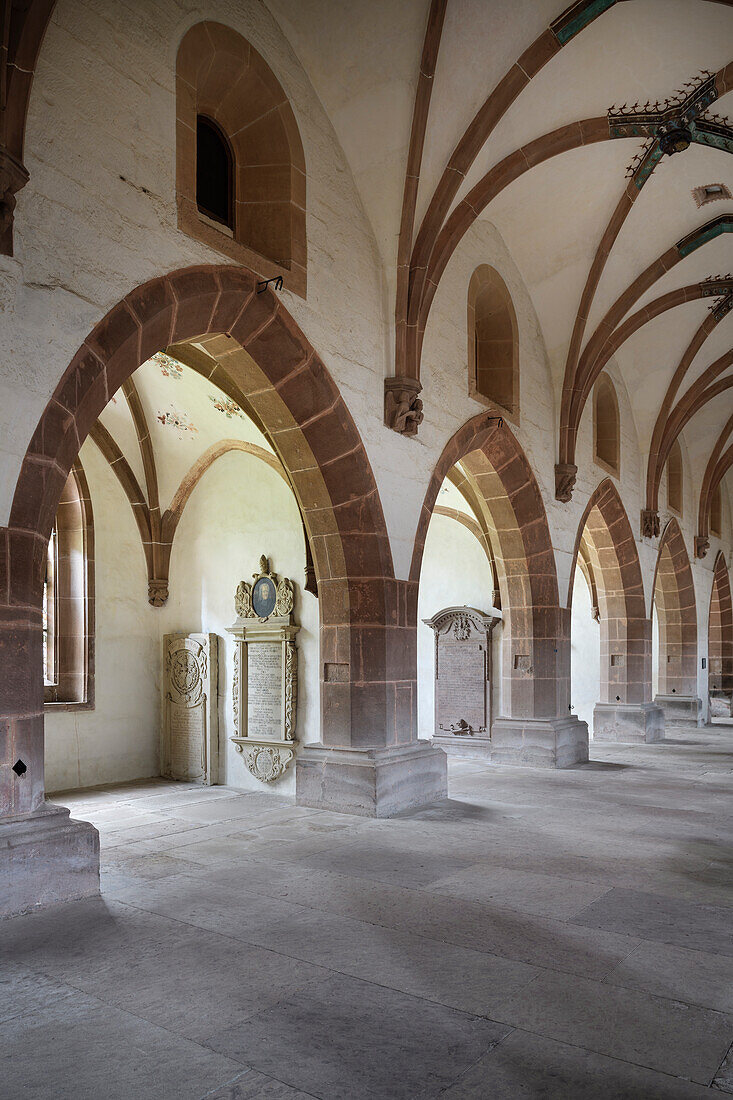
(264, 597)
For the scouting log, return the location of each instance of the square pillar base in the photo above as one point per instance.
(539, 742)
(630, 723)
(473, 748)
(46, 858)
(680, 710)
(721, 704)
(370, 782)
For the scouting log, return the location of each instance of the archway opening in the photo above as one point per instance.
(720, 642)
(530, 720)
(675, 630)
(585, 639)
(188, 493)
(624, 711)
(256, 357)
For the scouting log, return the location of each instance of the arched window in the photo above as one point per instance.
(606, 426)
(716, 513)
(674, 479)
(493, 346)
(214, 172)
(240, 168)
(68, 599)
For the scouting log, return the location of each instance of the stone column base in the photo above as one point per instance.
(475, 748)
(46, 858)
(370, 782)
(632, 723)
(539, 742)
(680, 710)
(721, 705)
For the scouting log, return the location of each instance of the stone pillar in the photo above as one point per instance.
(536, 727)
(625, 711)
(45, 857)
(370, 761)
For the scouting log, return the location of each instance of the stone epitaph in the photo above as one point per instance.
(265, 689)
(463, 680)
(189, 747)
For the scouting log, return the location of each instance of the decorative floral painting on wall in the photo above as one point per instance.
(168, 366)
(172, 418)
(227, 406)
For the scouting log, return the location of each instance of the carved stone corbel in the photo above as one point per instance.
(403, 411)
(649, 523)
(157, 592)
(702, 545)
(565, 475)
(13, 177)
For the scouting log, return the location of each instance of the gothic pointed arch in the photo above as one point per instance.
(720, 632)
(535, 683)
(262, 357)
(674, 601)
(625, 628)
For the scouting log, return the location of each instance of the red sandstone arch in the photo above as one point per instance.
(708, 488)
(263, 358)
(534, 624)
(720, 631)
(625, 629)
(674, 599)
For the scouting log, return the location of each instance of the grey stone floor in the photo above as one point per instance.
(540, 934)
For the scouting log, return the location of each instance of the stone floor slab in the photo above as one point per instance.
(525, 1067)
(661, 1034)
(347, 1038)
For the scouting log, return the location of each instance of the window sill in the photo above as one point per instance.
(497, 409)
(50, 705)
(219, 238)
(614, 471)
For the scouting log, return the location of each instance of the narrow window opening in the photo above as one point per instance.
(607, 427)
(674, 479)
(214, 172)
(493, 344)
(716, 514)
(50, 619)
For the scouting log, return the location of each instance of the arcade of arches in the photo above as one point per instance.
(279, 287)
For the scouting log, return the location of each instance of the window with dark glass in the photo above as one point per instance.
(214, 172)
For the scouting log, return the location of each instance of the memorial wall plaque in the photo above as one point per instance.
(463, 679)
(189, 743)
(265, 685)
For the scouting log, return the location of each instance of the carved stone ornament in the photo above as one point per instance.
(157, 593)
(266, 762)
(649, 523)
(267, 597)
(265, 680)
(565, 476)
(702, 545)
(403, 409)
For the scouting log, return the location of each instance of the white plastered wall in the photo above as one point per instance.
(239, 510)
